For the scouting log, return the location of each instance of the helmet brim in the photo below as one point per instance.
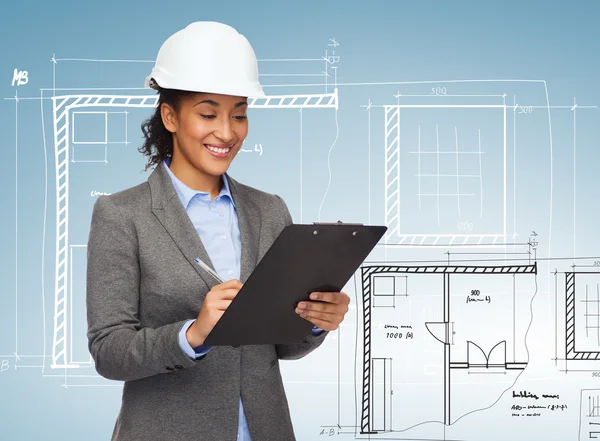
(151, 83)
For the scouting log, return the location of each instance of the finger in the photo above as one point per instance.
(223, 305)
(331, 297)
(326, 316)
(233, 283)
(326, 325)
(220, 305)
(332, 308)
(228, 293)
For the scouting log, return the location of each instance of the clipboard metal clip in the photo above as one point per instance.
(337, 223)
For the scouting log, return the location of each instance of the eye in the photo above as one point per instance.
(208, 116)
(241, 117)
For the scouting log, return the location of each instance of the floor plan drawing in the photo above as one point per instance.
(582, 290)
(577, 326)
(477, 315)
(74, 147)
(463, 347)
(589, 414)
(449, 175)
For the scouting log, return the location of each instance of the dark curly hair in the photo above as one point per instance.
(158, 141)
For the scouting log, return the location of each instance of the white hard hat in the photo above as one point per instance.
(207, 57)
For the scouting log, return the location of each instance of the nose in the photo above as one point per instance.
(224, 131)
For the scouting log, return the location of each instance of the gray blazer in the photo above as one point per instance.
(143, 284)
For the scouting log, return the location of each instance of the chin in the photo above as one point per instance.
(212, 169)
(212, 166)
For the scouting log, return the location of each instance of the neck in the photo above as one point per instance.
(194, 178)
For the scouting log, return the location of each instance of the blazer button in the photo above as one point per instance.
(169, 368)
(178, 366)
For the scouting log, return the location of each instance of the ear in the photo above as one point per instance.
(169, 117)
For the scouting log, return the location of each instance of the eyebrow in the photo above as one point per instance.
(216, 104)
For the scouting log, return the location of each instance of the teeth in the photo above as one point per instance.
(218, 150)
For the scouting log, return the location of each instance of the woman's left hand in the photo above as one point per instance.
(328, 312)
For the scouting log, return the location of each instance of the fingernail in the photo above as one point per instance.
(314, 296)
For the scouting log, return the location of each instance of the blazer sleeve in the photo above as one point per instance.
(121, 348)
(296, 351)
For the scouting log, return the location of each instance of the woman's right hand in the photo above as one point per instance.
(215, 303)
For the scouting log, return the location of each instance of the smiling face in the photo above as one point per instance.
(208, 132)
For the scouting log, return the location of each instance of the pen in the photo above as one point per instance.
(208, 269)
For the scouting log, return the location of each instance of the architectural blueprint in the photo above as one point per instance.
(476, 317)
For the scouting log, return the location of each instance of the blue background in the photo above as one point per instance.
(555, 43)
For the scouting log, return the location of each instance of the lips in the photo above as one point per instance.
(219, 150)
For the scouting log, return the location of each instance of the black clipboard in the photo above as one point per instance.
(303, 258)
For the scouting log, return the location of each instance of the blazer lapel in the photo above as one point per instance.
(169, 211)
(250, 225)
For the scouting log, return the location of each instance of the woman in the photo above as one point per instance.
(150, 304)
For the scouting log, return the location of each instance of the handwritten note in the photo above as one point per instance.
(543, 403)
